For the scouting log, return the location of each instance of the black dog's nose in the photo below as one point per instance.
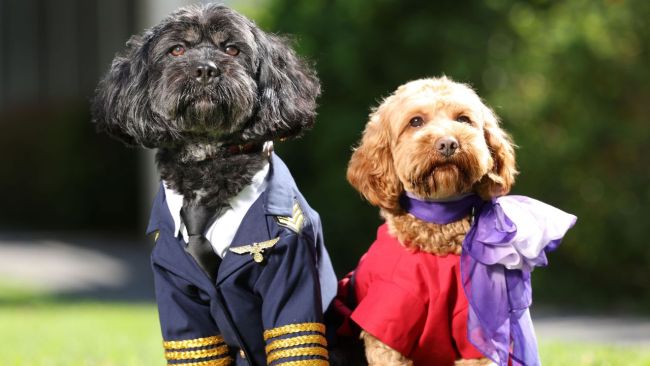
(205, 72)
(447, 145)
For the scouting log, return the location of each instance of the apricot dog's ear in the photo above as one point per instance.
(499, 180)
(371, 170)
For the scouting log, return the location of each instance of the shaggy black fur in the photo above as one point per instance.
(151, 98)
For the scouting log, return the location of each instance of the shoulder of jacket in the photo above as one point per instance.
(297, 222)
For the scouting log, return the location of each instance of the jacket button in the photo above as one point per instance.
(242, 354)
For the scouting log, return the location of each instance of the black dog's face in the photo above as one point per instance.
(206, 74)
(203, 72)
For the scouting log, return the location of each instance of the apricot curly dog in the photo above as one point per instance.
(436, 140)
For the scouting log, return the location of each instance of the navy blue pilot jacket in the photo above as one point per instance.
(264, 308)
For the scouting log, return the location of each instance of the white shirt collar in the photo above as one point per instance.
(223, 230)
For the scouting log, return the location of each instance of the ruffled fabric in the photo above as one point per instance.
(508, 239)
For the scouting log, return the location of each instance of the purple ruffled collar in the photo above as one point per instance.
(508, 238)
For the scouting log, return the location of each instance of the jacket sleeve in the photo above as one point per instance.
(292, 313)
(190, 334)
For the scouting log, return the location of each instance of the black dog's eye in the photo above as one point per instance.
(464, 119)
(232, 50)
(416, 122)
(177, 50)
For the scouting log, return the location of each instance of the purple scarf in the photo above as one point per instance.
(509, 236)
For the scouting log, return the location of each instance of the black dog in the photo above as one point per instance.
(208, 89)
(201, 86)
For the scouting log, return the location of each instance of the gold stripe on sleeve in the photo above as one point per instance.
(192, 355)
(297, 352)
(294, 328)
(193, 343)
(305, 363)
(226, 361)
(297, 341)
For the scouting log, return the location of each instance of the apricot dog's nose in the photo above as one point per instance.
(447, 145)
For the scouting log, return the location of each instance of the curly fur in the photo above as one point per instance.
(432, 238)
(392, 157)
(395, 156)
(150, 98)
(380, 354)
(478, 362)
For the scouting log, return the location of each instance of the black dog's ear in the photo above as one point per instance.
(287, 90)
(120, 106)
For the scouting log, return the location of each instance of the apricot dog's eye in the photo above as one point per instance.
(416, 122)
(177, 50)
(232, 50)
(464, 119)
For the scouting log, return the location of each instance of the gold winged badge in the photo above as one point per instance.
(256, 249)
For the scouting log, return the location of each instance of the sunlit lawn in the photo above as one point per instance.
(70, 334)
(39, 331)
(561, 354)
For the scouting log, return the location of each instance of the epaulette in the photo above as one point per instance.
(294, 222)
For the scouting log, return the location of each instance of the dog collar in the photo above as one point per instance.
(243, 148)
(439, 211)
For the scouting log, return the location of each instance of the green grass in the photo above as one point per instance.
(100, 334)
(80, 334)
(572, 354)
(39, 330)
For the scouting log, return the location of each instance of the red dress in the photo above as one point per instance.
(413, 302)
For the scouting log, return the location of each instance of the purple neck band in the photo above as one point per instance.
(439, 212)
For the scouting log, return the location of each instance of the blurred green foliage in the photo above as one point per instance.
(570, 81)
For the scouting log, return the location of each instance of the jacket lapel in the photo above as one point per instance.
(253, 229)
(170, 253)
(277, 200)
(160, 216)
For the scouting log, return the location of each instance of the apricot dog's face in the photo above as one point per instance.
(436, 139)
